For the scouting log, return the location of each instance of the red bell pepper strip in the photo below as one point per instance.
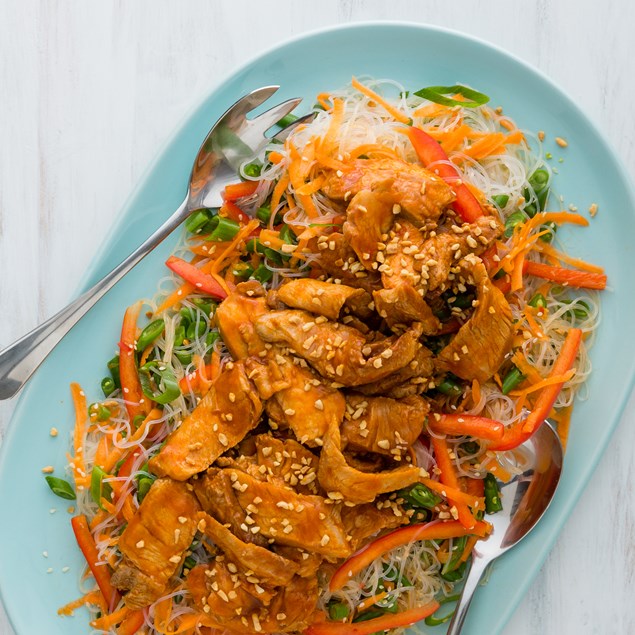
(235, 191)
(201, 280)
(229, 209)
(132, 623)
(571, 277)
(126, 467)
(377, 625)
(101, 573)
(519, 433)
(136, 402)
(472, 425)
(436, 530)
(430, 152)
(449, 477)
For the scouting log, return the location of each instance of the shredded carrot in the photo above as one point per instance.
(372, 149)
(175, 297)
(323, 100)
(92, 597)
(560, 256)
(555, 379)
(469, 545)
(490, 464)
(432, 110)
(271, 238)
(215, 266)
(106, 622)
(275, 157)
(118, 453)
(311, 187)
(371, 94)
(476, 391)
(79, 434)
(455, 493)
(368, 602)
(103, 449)
(278, 190)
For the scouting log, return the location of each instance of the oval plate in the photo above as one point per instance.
(416, 56)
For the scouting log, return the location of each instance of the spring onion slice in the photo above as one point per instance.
(168, 386)
(437, 94)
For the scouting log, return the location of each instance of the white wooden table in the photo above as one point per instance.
(89, 91)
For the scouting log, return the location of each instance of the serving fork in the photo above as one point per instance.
(232, 140)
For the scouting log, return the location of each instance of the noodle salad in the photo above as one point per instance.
(305, 429)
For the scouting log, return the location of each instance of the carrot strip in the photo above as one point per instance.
(555, 379)
(175, 297)
(578, 263)
(322, 99)
(387, 106)
(368, 602)
(448, 477)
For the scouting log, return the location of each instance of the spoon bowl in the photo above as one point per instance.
(525, 499)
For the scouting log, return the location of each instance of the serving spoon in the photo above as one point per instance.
(233, 139)
(525, 499)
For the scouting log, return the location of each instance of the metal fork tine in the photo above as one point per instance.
(246, 104)
(269, 118)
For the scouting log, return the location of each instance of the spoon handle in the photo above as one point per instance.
(20, 360)
(479, 564)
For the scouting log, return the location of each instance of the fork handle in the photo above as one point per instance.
(479, 564)
(19, 360)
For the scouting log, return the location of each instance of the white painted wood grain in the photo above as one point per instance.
(90, 89)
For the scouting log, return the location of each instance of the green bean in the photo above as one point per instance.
(225, 230)
(197, 220)
(419, 496)
(264, 214)
(580, 310)
(253, 169)
(493, 501)
(469, 447)
(196, 329)
(137, 421)
(99, 489)
(514, 219)
(207, 307)
(450, 387)
(179, 335)
(60, 487)
(338, 611)
(187, 315)
(255, 246)
(370, 614)
(113, 367)
(184, 357)
(512, 379)
(454, 561)
(189, 563)
(167, 385)
(108, 386)
(538, 301)
(286, 234)
(262, 274)
(287, 120)
(456, 574)
(539, 179)
(150, 333)
(552, 227)
(500, 200)
(431, 620)
(242, 270)
(144, 484)
(211, 338)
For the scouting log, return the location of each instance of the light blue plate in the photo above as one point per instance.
(416, 56)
